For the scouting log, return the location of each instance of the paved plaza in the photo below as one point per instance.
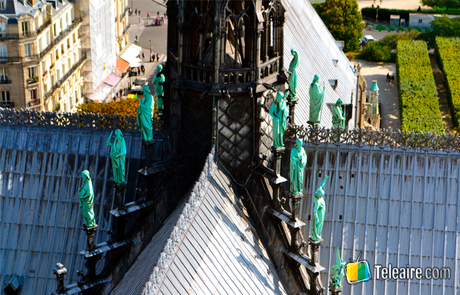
(388, 93)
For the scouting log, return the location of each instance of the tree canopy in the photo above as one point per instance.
(391, 40)
(126, 107)
(442, 3)
(344, 21)
(441, 26)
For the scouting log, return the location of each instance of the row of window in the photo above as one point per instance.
(32, 71)
(28, 47)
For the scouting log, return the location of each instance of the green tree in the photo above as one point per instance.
(344, 21)
(377, 51)
(441, 26)
(392, 39)
(442, 3)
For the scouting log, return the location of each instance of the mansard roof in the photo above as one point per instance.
(207, 246)
(319, 54)
(40, 220)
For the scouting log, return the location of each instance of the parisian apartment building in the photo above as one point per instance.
(48, 51)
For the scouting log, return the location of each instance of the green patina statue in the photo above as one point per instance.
(279, 113)
(338, 119)
(319, 212)
(337, 271)
(118, 154)
(298, 162)
(158, 81)
(145, 113)
(293, 78)
(87, 200)
(316, 100)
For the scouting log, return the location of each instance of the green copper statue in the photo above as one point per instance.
(337, 271)
(87, 200)
(145, 113)
(158, 81)
(298, 162)
(338, 120)
(293, 78)
(316, 100)
(279, 113)
(319, 212)
(117, 154)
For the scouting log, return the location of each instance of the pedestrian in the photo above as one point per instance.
(143, 56)
(158, 57)
(135, 11)
(139, 70)
(164, 14)
(139, 12)
(158, 13)
(153, 57)
(143, 69)
(135, 39)
(148, 14)
(388, 77)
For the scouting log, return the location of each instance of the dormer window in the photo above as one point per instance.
(2, 4)
(25, 27)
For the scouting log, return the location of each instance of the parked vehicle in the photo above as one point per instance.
(158, 21)
(366, 39)
(137, 84)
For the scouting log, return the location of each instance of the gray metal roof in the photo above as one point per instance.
(305, 31)
(393, 206)
(16, 7)
(40, 220)
(205, 247)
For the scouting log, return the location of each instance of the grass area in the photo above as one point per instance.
(354, 54)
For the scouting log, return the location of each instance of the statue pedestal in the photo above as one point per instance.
(295, 205)
(91, 262)
(278, 155)
(335, 290)
(316, 285)
(291, 103)
(119, 191)
(314, 248)
(148, 146)
(90, 231)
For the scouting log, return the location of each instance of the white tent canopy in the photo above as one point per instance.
(131, 55)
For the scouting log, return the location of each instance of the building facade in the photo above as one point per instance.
(40, 55)
(104, 36)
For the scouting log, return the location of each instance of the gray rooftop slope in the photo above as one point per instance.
(391, 207)
(305, 31)
(205, 247)
(40, 220)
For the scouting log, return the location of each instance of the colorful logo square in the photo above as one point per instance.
(358, 272)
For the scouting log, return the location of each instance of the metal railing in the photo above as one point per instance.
(32, 80)
(33, 103)
(5, 81)
(8, 104)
